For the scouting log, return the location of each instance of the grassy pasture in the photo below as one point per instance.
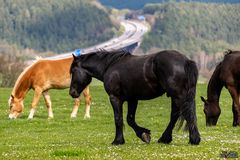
(65, 138)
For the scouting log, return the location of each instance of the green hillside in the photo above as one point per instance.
(194, 27)
(54, 25)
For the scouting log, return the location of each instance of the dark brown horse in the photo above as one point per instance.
(132, 78)
(226, 73)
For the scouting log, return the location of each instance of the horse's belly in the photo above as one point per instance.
(147, 97)
(142, 93)
(61, 85)
(55, 84)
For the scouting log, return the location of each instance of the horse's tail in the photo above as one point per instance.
(188, 108)
(192, 76)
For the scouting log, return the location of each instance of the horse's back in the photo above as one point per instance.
(51, 73)
(230, 67)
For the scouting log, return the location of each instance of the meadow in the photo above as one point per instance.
(66, 138)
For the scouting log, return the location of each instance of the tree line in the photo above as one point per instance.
(193, 27)
(54, 25)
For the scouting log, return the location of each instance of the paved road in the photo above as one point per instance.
(134, 30)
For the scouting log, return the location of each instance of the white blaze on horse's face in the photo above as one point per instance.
(16, 106)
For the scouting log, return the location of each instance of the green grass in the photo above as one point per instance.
(65, 138)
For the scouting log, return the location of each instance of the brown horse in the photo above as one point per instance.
(226, 73)
(41, 76)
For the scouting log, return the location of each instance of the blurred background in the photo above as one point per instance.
(201, 29)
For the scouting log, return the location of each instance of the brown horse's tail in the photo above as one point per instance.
(188, 107)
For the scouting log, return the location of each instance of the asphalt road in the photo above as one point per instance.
(134, 30)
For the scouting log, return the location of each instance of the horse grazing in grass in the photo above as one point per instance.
(132, 78)
(226, 73)
(41, 76)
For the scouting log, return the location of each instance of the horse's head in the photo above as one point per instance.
(79, 77)
(212, 112)
(16, 107)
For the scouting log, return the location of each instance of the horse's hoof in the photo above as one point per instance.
(235, 124)
(146, 137)
(87, 117)
(73, 116)
(165, 140)
(118, 142)
(195, 141)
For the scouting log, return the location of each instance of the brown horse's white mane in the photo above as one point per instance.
(23, 73)
(38, 58)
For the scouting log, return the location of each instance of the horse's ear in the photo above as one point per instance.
(74, 57)
(203, 99)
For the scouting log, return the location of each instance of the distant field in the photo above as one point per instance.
(65, 138)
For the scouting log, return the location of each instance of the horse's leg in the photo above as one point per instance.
(142, 133)
(37, 94)
(167, 134)
(188, 111)
(118, 117)
(48, 103)
(235, 115)
(87, 96)
(236, 105)
(75, 107)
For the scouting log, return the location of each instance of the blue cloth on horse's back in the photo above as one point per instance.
(77, 52)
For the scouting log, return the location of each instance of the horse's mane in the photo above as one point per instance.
(113, 55)
(216, 72)
(19, 79)
(214, 83)
(110, 57)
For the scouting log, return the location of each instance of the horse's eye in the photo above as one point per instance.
(74, 69)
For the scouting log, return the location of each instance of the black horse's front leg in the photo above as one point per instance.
(167, 135)
(118, 117)
(235, 105)
(142, 133)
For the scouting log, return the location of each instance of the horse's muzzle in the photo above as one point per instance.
(74, 93)
(12, 115)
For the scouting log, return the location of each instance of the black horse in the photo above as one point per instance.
(226, 73)
(132, 78)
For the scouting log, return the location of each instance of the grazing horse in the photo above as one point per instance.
(41, 76)
(226, 73)
(131, 78)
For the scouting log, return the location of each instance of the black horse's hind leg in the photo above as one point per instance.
(167, 135)
(118, 117)
(189, 113)
(142, 133)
